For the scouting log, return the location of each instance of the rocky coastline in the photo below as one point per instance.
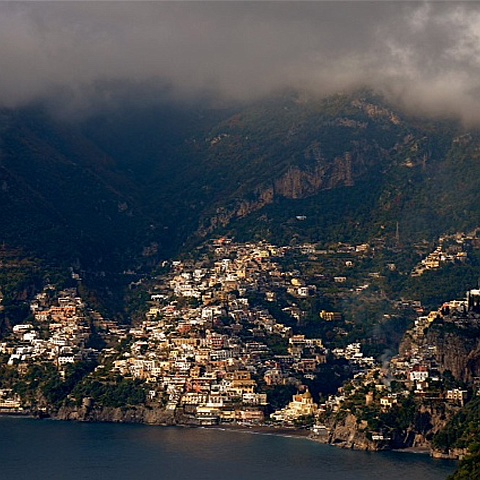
(346, 435)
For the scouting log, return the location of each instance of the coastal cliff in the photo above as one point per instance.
(349, 432)
(427, 399)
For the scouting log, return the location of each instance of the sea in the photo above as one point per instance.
(53, 450)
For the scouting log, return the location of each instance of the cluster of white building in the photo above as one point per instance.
(201, 345)
(58, 334)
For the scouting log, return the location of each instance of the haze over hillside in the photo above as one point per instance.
(84, 56)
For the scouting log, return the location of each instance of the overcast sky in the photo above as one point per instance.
(426, 55)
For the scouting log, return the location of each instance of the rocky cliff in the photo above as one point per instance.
(298, 182)
(348, 432)
(457, 350)
(138, 414)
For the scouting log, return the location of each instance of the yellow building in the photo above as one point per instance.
(302, 405)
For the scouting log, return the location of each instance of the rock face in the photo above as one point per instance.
(296, 183)
(457, 351)
(348, 433)
(453, 454)
(140, 414)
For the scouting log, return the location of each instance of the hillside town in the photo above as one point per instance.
(209, 351)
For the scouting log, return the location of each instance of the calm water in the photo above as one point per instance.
(49, 450)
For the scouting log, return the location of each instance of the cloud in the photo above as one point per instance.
(425, 55)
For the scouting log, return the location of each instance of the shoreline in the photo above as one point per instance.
(299, 433)
(18, 415)
(262, 430)
(279, 431)
(415, 450)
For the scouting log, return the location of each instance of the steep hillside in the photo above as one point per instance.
(62, 197)
(342, 168)
(160, 179)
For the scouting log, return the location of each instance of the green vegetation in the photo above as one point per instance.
(42, 383)
(449, 282)
(469, 468)
(279, 396)
(463, 430)
(111, 392)
(19, 277)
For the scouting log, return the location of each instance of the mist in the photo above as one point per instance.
(86, 55)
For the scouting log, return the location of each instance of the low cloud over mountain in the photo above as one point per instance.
(426, 56)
